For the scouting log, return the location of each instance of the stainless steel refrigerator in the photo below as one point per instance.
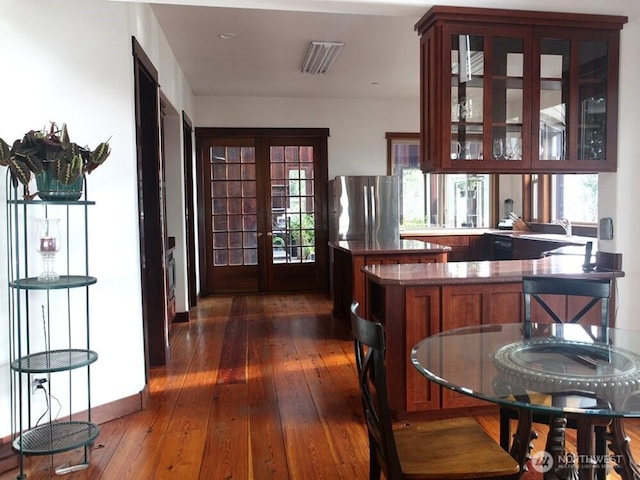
(365, 208)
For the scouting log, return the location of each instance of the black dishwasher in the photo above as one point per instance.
(502, 248)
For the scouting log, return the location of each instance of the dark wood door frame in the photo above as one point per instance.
(147, 110)
(189, 210)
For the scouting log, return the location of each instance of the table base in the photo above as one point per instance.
(625, 466)
(558, 464)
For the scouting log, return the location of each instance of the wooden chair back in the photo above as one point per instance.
(372, 379)
(596, 290)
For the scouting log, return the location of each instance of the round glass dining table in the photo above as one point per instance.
(589, 373)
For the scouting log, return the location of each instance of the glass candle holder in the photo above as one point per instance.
(48, 244)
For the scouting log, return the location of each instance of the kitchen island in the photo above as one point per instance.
(416, 301)
(348, 258)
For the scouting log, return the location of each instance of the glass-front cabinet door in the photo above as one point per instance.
(575, 100)
(489, 95)
(467, 97)
(509, 90)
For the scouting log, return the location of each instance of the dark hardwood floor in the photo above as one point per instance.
(257, 387)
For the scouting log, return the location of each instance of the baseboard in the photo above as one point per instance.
(8, 457)
(181, 317)
(118, 408)
(101, 414)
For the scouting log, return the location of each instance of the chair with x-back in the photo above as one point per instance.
(456, 448)
(593, 290)
(581, 296)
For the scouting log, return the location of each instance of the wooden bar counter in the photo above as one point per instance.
(348, 281)
(416, 301)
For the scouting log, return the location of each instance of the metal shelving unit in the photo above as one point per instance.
(49, 332)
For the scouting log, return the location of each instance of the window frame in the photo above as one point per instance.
(539, 208)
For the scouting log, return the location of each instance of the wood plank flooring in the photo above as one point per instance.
(257, 387)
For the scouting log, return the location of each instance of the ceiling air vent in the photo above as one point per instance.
(321, 56)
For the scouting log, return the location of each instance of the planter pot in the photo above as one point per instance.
(51, 189)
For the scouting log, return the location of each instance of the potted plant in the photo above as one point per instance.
(58, 164)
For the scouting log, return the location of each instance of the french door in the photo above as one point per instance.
(264, 209)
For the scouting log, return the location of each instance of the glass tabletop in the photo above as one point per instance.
(557, 368)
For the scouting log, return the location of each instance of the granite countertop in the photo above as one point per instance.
(548, 237)
(444, 231)
(500, 271)
(360, 247)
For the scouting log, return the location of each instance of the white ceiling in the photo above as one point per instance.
(380, 58)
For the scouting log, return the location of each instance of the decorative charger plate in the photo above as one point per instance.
(553, 365)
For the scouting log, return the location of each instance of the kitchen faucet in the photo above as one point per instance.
(565, 224)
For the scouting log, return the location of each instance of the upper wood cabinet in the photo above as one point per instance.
(518, 91)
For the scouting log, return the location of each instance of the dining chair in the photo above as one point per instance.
(450, 449)
(540, 290)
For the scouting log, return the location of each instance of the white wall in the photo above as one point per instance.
(72, 62)
(357, 128)
(175, 203)
(619, 194)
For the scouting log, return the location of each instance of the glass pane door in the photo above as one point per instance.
(554, 97)
(233, 197)
(489, 96)
(467, 96)
(292, 204)
(507, 98)
(593, 60)
(293, 215)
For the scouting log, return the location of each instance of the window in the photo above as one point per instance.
(436, 200)
(575, 197)
(571, 196)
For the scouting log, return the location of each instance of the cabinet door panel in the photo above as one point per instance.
(462, 306)
(423, 315)
(488, 98)
(554, 97)
(575, 99)
(509, 92)
(468, 305)
(504, 304)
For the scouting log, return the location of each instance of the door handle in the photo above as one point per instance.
(269, 234)
(259, 234)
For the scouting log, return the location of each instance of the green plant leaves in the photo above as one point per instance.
(5, 153)
(39, 150)
(67, 172)
(98, 156)
(20, 170)
(64, 137)
(31, 157)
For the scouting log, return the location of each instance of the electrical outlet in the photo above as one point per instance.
(37, 383)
